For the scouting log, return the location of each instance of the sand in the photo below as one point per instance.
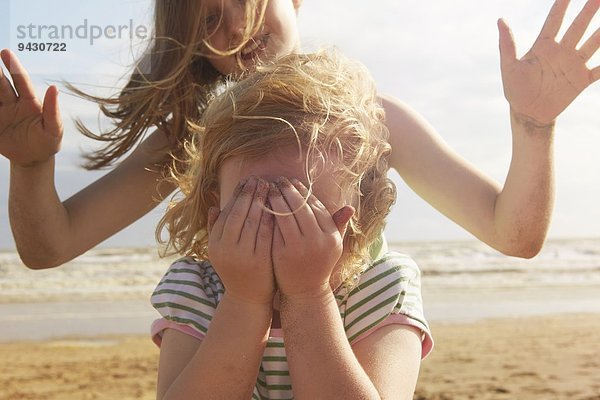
(549, 357)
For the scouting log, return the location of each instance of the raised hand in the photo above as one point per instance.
(30, 132)
(308, 243)
(541, 84)
(239, 243)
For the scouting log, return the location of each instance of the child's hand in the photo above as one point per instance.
(239, 243)
(551, 75)
(306, 244)
(29, 132)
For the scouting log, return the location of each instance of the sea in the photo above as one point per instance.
(107, 291)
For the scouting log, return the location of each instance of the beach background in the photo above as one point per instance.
(504, 328)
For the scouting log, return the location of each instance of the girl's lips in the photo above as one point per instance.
(254, 47)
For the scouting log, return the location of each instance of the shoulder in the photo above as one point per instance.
(381, 288)
(403, 121)
(390, 269)
(189, 277)
(390, 278)
(398, 114)
(188, 293)
(389, 291)
(415, 142)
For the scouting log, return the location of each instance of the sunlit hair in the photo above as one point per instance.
(173, 81)
(322, 102)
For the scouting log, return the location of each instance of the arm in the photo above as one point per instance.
(513, 219)
(307, 246)
(49, 232)
(225, 364)
(323, 365)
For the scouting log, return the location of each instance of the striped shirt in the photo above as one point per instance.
(388, 292)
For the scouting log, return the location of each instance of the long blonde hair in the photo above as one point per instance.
(322, 102)
(172, 83)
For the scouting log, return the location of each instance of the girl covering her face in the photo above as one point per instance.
(277, 239)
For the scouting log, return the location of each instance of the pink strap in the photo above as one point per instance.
(159, 326)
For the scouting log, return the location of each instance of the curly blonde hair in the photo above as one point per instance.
(322, 102)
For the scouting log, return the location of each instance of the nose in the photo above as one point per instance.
(235, 21)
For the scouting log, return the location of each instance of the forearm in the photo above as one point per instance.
(39, 221)
(227, 362)
(321, 361)
(523, 208)
(49, 232)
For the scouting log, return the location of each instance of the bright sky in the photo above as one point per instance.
(440, 57)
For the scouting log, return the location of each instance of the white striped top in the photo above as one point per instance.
(389, 292)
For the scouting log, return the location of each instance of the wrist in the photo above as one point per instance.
(316, 297)
(530, 124)
(248, 305)
(34, 165)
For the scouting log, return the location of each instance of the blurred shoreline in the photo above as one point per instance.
(107, 291)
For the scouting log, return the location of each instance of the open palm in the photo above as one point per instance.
(541, 84)
(29, 131)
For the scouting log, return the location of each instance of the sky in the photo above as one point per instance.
(440, 57)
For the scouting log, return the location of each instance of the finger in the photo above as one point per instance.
(253, 219)
(341, 218)
(298, 203)
(554, 20)
(51, 114)
(321, 213)
(590, 47)
(278, 239)
(580, 24)
(213, 214)
(7, 93)
(236, 218)
(264, 238)
(283, 215)
(508, 50)
(595, 74)
(222, 219)
(20, 77)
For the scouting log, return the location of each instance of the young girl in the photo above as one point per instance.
(214, 38)
(278, 297)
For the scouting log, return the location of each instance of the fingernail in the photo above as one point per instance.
(282, 182)
(263, 186)
(298, 184)
(252, 181)
(274, 190)
(239, 187)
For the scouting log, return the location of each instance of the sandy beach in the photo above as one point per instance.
(504, 328)
(545, 358)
